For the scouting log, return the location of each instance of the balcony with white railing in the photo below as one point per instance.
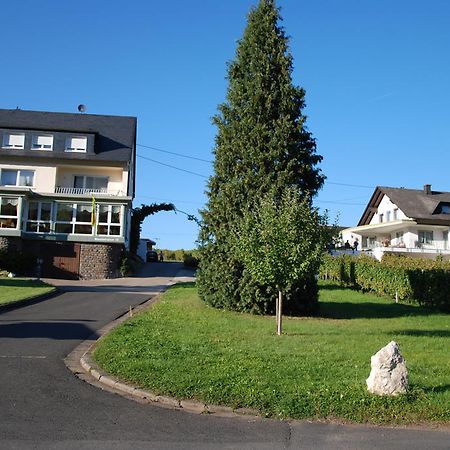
(86, 191)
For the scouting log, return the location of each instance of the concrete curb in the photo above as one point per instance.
(80, 362)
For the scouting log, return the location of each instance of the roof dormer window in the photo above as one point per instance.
(13, 140)
(42, 142)
(76, 144)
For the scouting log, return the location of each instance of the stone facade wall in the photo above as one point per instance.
(100, 261)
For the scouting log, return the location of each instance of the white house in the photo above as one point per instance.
(404, 221)
(66, 189)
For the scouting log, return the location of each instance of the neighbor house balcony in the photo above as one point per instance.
(428, 251)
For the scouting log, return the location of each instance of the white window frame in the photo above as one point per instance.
(18, 176)
(7, 142)
(109, 224)
(424, 237)
(9, 217)
(35, 145)
(73, 221)
(39, 221)
(395, 214)
(69, 144)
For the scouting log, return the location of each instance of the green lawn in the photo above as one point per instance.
(14, 290)
(317, 369)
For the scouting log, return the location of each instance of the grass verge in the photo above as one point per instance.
(317, 369)
(13, 290)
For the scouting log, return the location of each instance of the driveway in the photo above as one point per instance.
(44, 406)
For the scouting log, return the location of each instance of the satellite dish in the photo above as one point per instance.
(82, 108)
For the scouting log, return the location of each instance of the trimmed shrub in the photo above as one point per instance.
(190, 260)
(414, 280)
(130, 264)
(18, 263)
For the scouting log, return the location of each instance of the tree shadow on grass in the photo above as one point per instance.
(437, 389)
(369, 310)
(187, 284)
(17, 282)
(423, 333)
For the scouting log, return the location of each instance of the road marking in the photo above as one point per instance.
(23, 356)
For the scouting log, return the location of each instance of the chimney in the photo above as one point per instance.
(427, 189)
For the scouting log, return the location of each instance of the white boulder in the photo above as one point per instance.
(389, 375)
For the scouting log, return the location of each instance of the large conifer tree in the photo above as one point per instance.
(262, 144)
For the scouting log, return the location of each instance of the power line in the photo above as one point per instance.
(340, 203)
(170, 201)
(174, 153)
(172, 167)
(350, 185)
(209, 161)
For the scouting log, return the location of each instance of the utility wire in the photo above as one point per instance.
(350, 185)
(172, 167)
(173, 153)
(340, 203)
(209, 161)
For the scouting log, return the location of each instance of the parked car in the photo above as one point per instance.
(152, 256)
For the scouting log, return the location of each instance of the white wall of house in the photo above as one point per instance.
(117, 181)
(350, 237)
(387, 211)
(44, 176)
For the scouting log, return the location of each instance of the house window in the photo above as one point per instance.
(381, 218)
(90, 184)
(445, 209)
(13, 177)
(109, 220)
(42, 142)
(425, 237)
(72, 218)
(445, 239)
(8, 212)
(39, 217)
(13, 140)
(76, 144)
(395, 214)
(388, 216)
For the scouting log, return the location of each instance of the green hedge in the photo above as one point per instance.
(414, 280)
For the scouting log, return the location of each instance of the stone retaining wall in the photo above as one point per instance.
(99, 261)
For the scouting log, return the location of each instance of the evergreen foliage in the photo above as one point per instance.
(262, 145)
(138, 215)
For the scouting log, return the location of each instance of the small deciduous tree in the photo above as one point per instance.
(281, 241)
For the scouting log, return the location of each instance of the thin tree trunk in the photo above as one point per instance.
(279, 308)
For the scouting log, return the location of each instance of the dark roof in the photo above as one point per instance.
(115, 136)
(417, 204)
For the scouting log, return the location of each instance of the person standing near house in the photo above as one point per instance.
(355, 246)
(161, 256)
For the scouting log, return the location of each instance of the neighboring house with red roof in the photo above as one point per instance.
(404, 221)
(66, 190)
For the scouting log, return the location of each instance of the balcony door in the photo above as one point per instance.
(90, 184)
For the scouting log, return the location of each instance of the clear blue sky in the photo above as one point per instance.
(376, 75)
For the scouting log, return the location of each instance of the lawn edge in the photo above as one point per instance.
(29, 300)
(82, 364)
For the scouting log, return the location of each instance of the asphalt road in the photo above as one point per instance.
(44, 406)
